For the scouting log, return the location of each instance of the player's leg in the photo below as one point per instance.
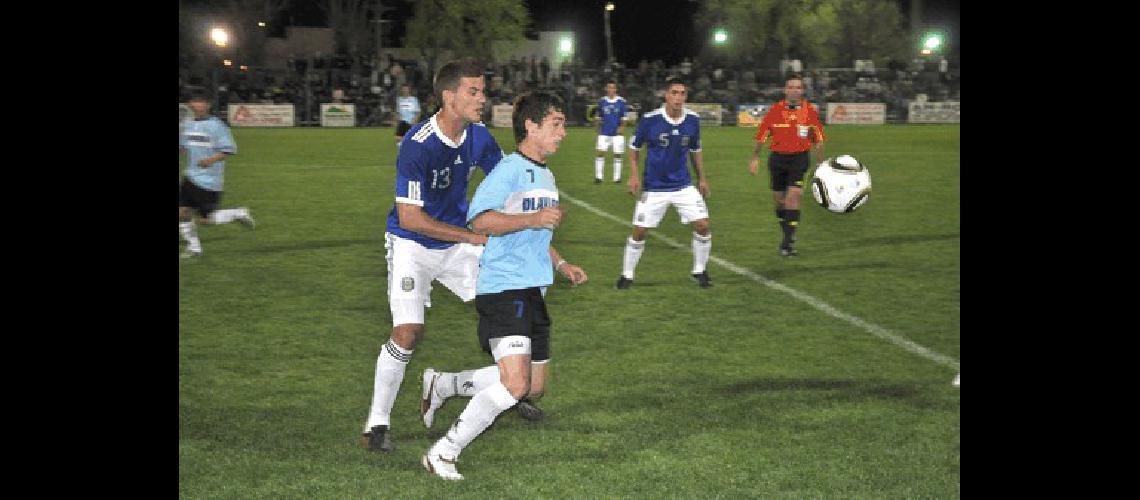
(693, 210)
(539, 366)
(504, 326)
(603, 145)
(646, 214)
(228, 215)
(779, 182)
(795, 181)
(619, 150)
(409, 276)
(188, 201)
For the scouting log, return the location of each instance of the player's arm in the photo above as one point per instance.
(635, 143)
(495, 223)
(761, 136)
(210, 160)
(819, 137)
(414, 218)
(573, 273)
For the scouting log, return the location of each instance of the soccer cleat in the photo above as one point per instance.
(617, 181)
(597, 181)
(440, 466)
(703, 279)
(529, 411)
(189, 254)
(788, 251)
(247, 221)
(431, 401)
(377, 440)
(624, 283)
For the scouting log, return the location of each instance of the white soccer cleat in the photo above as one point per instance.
(440, 466)
(247, 221)
(430, 400)
(189, 254)
(957, 382)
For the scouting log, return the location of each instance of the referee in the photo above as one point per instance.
(794, 126)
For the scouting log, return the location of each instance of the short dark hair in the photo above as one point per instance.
(199, 96)
(675, 80)
(793, 76)
(533, 106)
(611, 80)
(447, 78)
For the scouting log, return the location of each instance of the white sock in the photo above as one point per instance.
(633, 251)
(229, 215)
(599, 167)
(617, 168)
(390, 367)
(483, 408)
(702, 247)
(189, 233)
(466, 383)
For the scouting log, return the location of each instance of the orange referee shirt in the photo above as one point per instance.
(782, 124)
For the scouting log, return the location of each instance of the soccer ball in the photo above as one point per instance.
(841, 184)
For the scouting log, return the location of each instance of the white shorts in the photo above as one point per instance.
(651, 207)
(618, 141)
(412, 268)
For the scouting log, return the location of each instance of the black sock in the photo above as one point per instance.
(793, 220)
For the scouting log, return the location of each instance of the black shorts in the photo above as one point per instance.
(202, 200)
(402, 128)
(788, 169)
(515, 312)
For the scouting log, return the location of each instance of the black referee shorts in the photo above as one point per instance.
(202, 200)
(515, 312)
(788, 169)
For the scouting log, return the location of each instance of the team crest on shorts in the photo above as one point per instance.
(407, 284)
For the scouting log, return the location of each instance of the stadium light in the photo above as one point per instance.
(227, 62)
(609, 6)
(261, 23)
(566, 46)
(220, 37)
(720, 36)
(932, 42)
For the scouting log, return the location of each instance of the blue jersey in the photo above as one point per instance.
(202, 139)
(432, 172)
(666, 162)
(612, 113)
(521, 259)
(408, 107)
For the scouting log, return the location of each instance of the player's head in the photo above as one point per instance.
(676, 92)
(459, 86)
(794, 87)
(539, 118)
(199, 104)
(611, 89)
(405, 90)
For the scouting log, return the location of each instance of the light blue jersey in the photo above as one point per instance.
(521, 259)
(202, 139)
(408, 107)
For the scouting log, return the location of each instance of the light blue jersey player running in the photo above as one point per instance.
(426, 237)
(611, 120)
(671, 135)
(207, 142)
(517, 205)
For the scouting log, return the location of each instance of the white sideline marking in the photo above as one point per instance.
(871, 328)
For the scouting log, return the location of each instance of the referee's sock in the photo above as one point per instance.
(782, 219)
(793, 221)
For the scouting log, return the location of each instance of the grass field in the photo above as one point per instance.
(661, 391)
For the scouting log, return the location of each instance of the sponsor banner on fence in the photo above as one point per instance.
(338, 115)
(260, 115)
(710, 112)
(501, 115)
(856, 113)
(935, 112)
(750, 115)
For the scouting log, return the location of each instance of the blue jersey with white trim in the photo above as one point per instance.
(521, 259)
(202, 139)
(612, 113)
(666, 162)
(432, 172)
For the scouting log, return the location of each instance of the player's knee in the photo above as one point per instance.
(701, 227)
(184, 214)
(639, 233)
(408, 336)
(518, 386)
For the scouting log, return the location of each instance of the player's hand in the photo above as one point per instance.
(754, 166)
(703, 186)
(548, 218)
(634, 186)
(573, 273)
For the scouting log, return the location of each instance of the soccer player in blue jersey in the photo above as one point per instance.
(517, 205)
(611, 131)
(426, 236)
(408, 108)
(671, 135)
(207, 142)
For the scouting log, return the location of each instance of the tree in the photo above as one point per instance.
(769, 30)
(872, 29)
(351, 25)
(464, 29)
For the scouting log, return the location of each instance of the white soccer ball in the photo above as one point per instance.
(841, 184)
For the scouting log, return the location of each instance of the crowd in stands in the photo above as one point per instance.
(373, 87)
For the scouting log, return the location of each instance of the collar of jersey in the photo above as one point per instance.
(527, 158)
(665, 115)
(607, 98)
(443, 138)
